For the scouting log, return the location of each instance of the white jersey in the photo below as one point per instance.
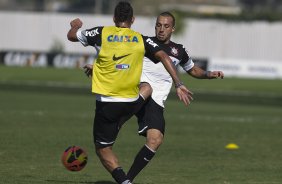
(156, 75)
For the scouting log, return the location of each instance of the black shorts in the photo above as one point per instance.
(150, 116)
(109, 117)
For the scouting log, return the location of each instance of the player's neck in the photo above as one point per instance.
(167, 41)
(123, 25)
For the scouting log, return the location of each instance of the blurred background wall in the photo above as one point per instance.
(232, 35)
(257, 40)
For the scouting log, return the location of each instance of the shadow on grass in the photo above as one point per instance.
(83, 182)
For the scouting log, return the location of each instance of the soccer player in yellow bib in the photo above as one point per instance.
(116, 77)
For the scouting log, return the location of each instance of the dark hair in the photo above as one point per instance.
(123, 12)
(168, 14)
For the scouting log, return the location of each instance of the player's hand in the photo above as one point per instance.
(76, 23)
(215, 74)
(184, 94)
(88, 70)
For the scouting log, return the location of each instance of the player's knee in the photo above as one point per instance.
(103, 153)
(154, 141)
(145, 89)
(99, 152)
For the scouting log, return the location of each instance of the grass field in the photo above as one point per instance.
(43, 111)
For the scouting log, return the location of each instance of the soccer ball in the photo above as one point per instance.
(74, 158)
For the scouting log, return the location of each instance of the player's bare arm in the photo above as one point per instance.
(199, 73)
(165, 59)
(214, 74)
(182, 92)
(75, 25)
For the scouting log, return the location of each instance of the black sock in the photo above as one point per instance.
(119, 175)
(141, 160)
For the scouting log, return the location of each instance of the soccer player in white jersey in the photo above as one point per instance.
(150, 117)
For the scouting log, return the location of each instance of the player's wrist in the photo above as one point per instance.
(178, 84)
(76, 27)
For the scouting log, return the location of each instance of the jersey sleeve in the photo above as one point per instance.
(186, 61)
(90, 37)
(151, 47)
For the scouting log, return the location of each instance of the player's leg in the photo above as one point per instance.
(107, 158)
(145, 90)
(110, 162)
(154, 139)
(154, 125)
(142, 127)
(135, 107)
(105, 131)
(147, 152)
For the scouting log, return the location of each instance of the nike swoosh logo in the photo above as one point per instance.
(146, 159)
(120, 57)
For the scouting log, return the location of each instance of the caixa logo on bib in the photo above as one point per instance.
(122, 66)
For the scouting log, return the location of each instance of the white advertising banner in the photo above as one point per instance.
(247, 68)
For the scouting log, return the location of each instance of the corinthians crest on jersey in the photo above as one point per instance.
(174, 51)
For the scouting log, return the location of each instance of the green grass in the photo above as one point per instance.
(43, 111)
(51, 76)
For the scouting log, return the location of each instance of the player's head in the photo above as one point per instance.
(123, 16)
(165, 26)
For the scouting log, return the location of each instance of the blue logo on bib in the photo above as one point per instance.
(122, 66)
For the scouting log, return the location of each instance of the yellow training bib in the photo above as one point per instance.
(117, 70)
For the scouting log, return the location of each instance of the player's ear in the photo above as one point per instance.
(173, 28)
(132, 20)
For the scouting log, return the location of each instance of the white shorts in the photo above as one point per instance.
(160, 88)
